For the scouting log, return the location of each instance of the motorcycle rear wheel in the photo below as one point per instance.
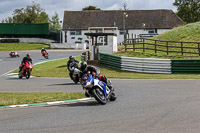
(99, 95)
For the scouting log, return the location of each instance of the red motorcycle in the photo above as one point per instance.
(13, 54)
(26, 70)
(45, 55)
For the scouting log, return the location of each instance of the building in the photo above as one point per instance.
(144, 23)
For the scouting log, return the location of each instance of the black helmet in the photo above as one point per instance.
(71, 57)
(28, 55)
(82, 65)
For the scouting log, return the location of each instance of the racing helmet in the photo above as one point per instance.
(28, 55)
(71, 58)
(82, 65)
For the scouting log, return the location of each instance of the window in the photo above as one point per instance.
(72, 33)
(122, 32)
(99, 31)
(78, 32)
(75, 32)
(151, 31)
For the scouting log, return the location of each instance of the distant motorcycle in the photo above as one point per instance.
(13, 54)
(45, 55)
(26, 71)
(97, 89)
(74, 72)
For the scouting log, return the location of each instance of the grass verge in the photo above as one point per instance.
(21, 46)
(58, 68)
(29, 98)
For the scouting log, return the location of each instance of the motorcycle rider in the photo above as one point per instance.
(13, 53)
(42, 50)
(24, 60)
(71, 60)
(84, 69)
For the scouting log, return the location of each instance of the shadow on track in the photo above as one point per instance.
(64, 84)
(77, 104)
(61, 66)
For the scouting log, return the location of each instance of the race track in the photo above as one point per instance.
(143, 106)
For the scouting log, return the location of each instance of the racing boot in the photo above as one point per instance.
(109, 84)
(86, 94)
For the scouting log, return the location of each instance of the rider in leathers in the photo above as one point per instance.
(24, 60)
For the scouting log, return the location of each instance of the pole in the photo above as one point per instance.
(60, 33)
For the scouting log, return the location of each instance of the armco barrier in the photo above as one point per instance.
(151, 65)
(111, 61)
(185, 66)
(145, 65)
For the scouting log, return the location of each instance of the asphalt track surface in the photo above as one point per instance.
(143, 106)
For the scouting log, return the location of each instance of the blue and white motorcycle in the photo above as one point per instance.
(97, 89)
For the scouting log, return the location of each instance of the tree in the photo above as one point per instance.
(55, 25)
(91, 8)
(188, 10)
(30, 15)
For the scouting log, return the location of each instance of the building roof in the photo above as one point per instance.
(160, 19)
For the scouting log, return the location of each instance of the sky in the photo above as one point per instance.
(51, 6)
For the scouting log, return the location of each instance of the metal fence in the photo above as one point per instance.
(146, 65)
(185, 66)
(134, 64)
(151, 65)
(111, 61)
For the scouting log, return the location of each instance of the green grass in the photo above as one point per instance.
(21, 46)
(30, 98)
(187, 33)
(58, 68)
(111, 73)
(150, 54)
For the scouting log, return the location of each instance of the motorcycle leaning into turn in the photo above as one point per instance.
(74, 72)
(98, 89)
(13, 54)
(45, 54)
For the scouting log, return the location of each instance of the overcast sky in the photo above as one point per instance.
(51, 6)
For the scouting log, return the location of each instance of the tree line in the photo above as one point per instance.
(33, 14)
(187, 10)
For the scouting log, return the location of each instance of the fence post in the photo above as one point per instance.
(125, 42)
(167, 47)
(133, 42)
(155, 47)
(143, 45)
(199, 48)
(182, 48)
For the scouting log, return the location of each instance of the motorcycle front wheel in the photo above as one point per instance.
(28, 74)
(99, 95)
(113, 96)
